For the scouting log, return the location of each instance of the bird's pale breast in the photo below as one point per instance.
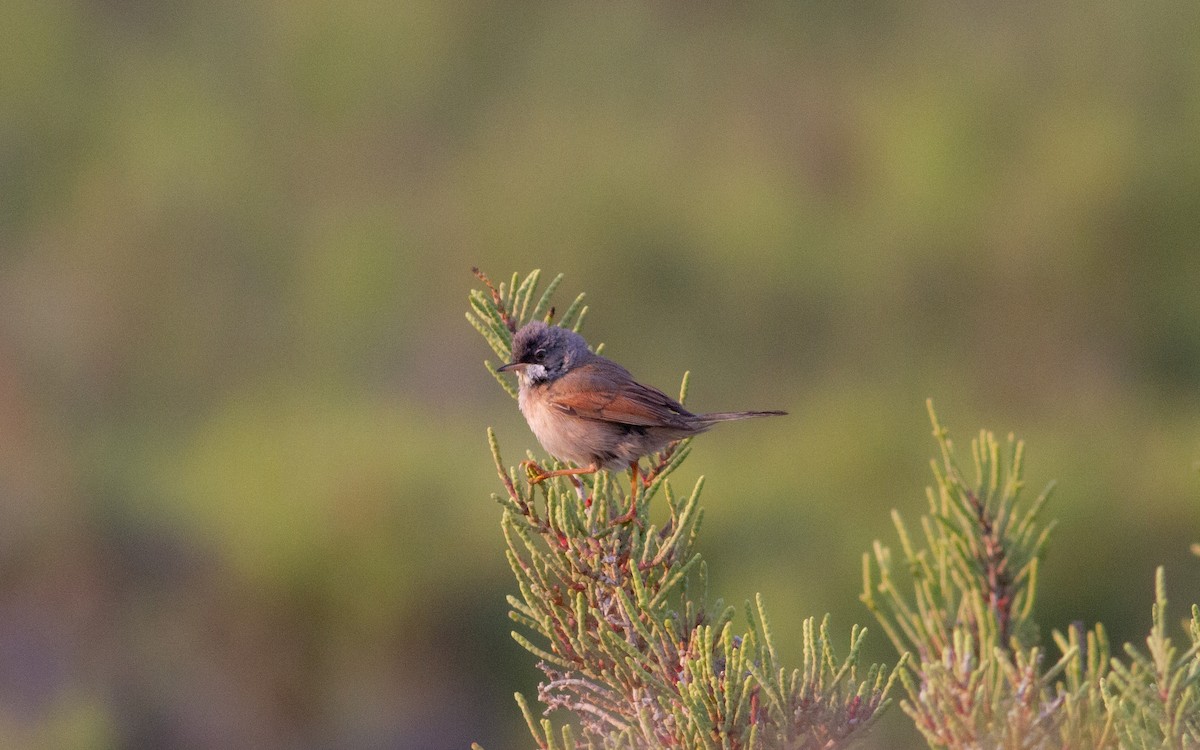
(566, 437)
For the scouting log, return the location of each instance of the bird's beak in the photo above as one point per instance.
(512, 367)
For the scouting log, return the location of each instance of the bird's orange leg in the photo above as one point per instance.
(544, 475)
(635, 480)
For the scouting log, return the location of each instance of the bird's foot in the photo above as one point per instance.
(630, 515)
(534, 472)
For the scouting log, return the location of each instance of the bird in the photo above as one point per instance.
(588, 410)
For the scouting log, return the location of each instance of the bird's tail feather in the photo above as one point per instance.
(729, 416)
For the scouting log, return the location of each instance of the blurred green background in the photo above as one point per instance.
(244, 483)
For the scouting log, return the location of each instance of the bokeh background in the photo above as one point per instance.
(244, 483)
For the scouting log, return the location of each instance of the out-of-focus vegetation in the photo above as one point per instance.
(243, 476)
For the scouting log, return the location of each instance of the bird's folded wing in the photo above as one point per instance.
(594, 392)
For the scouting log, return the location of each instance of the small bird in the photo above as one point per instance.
(589, 410)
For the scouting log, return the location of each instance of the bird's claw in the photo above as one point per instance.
(533, 472)
(631, 515)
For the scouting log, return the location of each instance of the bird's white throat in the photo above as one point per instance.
(535, 374)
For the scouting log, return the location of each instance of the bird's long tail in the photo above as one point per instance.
(730, 416)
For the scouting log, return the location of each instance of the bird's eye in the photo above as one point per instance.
(539, 355)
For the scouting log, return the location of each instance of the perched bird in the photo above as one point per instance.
(589, 410)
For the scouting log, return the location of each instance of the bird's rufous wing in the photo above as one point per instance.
(605, 391)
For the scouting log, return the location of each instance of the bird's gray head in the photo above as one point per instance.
(543, 352)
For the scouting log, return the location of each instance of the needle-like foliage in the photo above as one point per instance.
(1155, 699)
(617, 613)
(960, 598)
